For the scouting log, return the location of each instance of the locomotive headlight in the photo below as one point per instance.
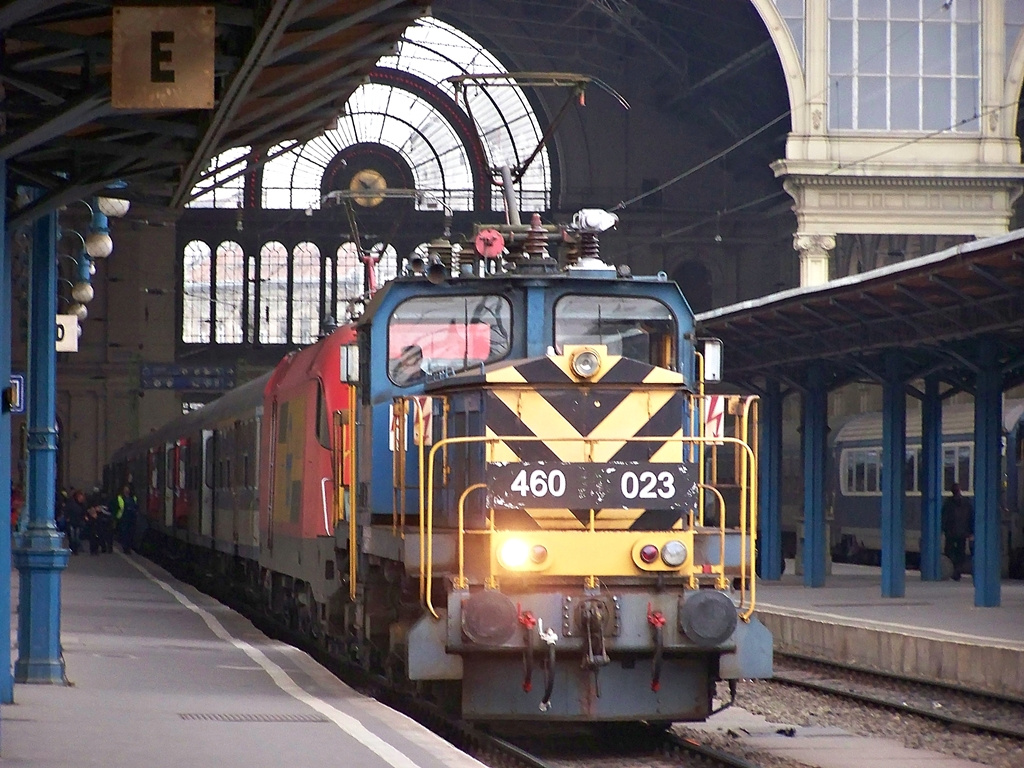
(585, 364)
(513, 553)
(673, 553)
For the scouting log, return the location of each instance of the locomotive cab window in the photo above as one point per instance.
(638, 328)
(443, 335)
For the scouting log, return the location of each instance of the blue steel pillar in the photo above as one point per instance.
(930, 481)
(988, 418)
(894, 451)
(769, 513)
(815, 428)
(6, 680)
(39, 554)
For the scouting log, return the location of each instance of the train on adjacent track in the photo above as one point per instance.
(490, 486)
(855, 483)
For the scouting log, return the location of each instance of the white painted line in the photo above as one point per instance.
(347, 723)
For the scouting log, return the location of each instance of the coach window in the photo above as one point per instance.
(450, 334)
(957, 461)
(638, 328)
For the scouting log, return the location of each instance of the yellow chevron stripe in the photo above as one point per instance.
(500, 451)
(625, 421)
(556, 519)
(670, 452)
(663, 376)
(543, 419)
(508, 375)
(616, 519)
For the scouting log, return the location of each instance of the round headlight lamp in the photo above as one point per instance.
(513, 553)
(673, 553)
(585, 364)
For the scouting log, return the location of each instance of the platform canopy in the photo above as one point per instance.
(933, 309)
(281, 71)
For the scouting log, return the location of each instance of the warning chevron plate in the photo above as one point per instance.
(578, 485)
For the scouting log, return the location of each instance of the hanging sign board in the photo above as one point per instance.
(162, 57)
(67, 333)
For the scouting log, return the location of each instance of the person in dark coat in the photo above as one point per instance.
(958, 528)
(91, 529)
(126, 509)
(74, 518)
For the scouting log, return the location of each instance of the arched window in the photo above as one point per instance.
(348, 281)
(230, 275)
(305, 293)
(273, 294)
(412, 117)
(387, 262)
(196, 302)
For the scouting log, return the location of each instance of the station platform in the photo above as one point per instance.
(934, 632)
(163, 676)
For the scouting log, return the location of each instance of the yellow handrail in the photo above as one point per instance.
(462, 583)
(352, 531)
(427, 563)
(750, 405)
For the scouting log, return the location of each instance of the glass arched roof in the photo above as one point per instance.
(409, 124)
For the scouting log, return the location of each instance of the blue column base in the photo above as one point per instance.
(39, 559)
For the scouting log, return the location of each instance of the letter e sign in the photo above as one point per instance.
(162, 57)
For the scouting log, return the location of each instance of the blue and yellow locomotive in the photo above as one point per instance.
(498, 484)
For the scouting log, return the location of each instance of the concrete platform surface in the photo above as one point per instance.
(933, 632)
(163, 676)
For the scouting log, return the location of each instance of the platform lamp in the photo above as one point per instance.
(81, 289)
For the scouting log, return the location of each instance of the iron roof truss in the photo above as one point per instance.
(60, 134)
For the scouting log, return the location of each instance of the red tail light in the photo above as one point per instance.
(649, 553)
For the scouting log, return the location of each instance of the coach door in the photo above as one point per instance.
(170, 473)
(207, 484)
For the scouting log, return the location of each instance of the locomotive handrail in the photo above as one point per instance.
(462, 583)
(749, 404)
(721, 540)
(427, 562)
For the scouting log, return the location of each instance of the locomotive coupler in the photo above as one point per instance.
(592, 620)
(657, 621)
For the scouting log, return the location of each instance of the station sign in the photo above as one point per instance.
(67, 333)
(162, 57)
(14, 396)
(209, 378)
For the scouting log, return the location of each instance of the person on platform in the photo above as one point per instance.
(17, 505)
(101, 524)
(74, 518)
(958, 528)
(126, 509)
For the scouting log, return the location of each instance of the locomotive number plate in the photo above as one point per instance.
(623, 485)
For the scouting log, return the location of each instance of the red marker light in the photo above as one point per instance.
(649, 553)
(539, 553)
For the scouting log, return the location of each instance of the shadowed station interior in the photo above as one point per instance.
(353, 294)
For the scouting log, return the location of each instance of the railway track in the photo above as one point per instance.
(635, 744)
(974, 710)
